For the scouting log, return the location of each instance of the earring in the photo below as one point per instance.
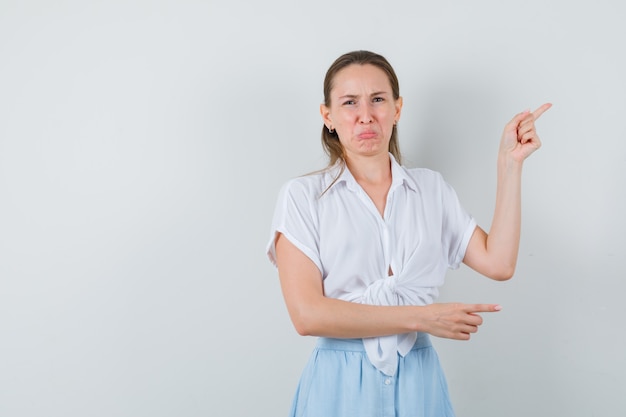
(331, 130)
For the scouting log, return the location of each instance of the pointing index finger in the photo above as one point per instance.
(484, 308)
(541, 110)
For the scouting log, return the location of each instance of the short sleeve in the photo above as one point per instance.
(458, 226)
(295, 217)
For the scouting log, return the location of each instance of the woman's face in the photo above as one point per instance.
(362, 110)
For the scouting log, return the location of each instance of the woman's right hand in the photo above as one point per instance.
(454, 320)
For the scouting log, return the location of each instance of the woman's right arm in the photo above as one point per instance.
(314, 314)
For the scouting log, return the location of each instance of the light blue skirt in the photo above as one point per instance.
(340, 381)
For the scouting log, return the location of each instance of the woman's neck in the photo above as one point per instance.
(372, 170)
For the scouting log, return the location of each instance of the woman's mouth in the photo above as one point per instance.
(367, 135)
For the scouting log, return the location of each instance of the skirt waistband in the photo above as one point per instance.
(356, 345)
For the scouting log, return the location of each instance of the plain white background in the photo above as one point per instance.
(142, 146)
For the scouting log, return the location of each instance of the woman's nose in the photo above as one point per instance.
(365, 116)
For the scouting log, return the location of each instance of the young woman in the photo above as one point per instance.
(363, 245)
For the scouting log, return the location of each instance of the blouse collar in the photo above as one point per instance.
(399, 176)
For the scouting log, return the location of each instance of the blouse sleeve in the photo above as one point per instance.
(295, 218)
(458, 226)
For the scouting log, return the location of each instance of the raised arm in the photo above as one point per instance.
(314, 314)
(495, 254)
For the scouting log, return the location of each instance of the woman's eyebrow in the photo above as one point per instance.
(353, 96)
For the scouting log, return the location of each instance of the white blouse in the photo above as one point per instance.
(424, 231)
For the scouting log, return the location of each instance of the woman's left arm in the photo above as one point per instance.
(495, 254)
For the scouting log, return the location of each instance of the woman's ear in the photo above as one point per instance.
(325, 112)
(398, 108)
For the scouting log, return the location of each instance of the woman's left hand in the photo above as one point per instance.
(520, 138)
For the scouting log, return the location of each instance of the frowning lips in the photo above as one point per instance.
(367, 134)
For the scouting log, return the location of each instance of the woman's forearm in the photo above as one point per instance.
(502, 243)
(495, 254)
